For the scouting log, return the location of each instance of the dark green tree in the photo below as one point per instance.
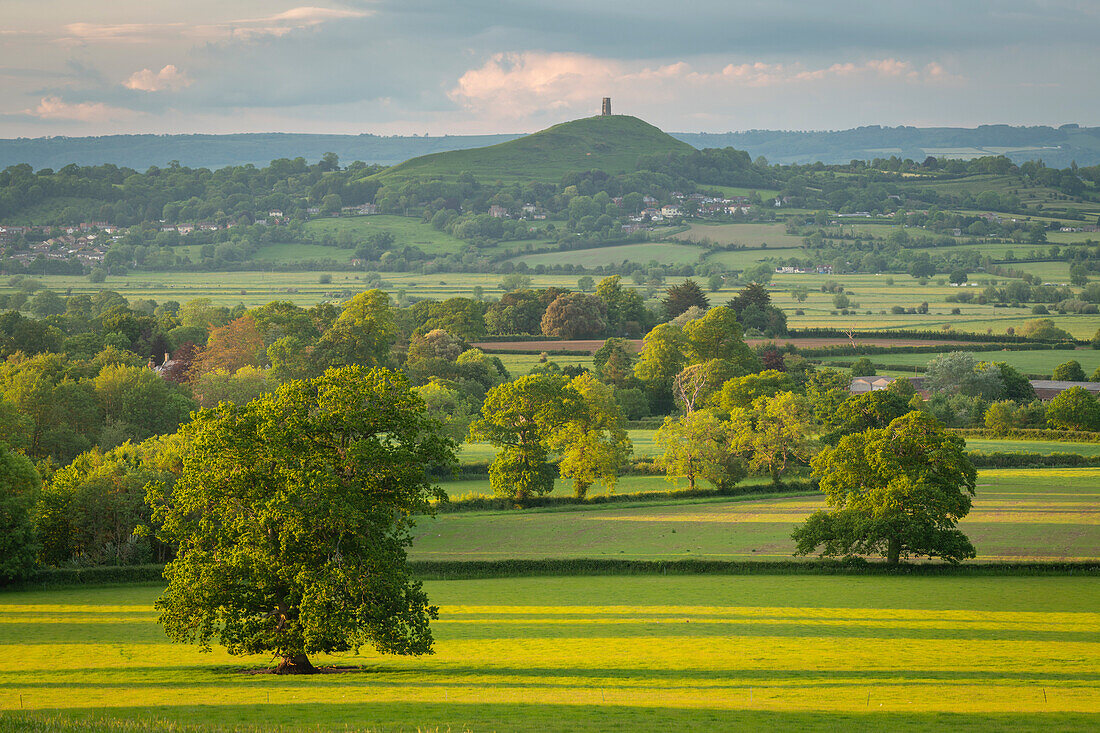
(679, 298)
(291, 516)
(897, 491)
(19, 485)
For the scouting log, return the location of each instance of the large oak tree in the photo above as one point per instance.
(291, 518)
(896, 491)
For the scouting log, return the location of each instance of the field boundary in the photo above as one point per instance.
(470, 569)
(474, 569)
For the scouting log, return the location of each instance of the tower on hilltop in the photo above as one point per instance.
(605, 111)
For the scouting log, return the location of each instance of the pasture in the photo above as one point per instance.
(598, 653)
(662, 253)
(1019, 514)
(407, 231)
(875, 295)
(1029, 362)
(770, 236)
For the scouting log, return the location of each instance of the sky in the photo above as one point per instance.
(404, 67)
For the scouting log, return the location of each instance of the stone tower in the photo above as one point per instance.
(606, 110)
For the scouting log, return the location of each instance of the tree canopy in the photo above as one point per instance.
(896, 491)
(291, 515)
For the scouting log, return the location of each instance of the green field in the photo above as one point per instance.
(698, 653)
(407, 231)
(1018, 514)
(773, 236)
(1028, 362)
(1042, 447)
(293, 252)
(662, 253)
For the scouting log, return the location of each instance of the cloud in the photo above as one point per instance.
(520, 84)
(277, 25)
(55, 108)
(169, 78)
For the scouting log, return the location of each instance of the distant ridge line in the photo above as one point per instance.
(1058, 147)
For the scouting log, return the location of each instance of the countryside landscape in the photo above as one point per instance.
(553, 417)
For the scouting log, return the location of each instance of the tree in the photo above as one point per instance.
(575, 316)
(614, 363)
(230, 347)
(361, 335)
(138, 404)
(958, 276)
(1071, 371)
(774, 432)
(519, 417)
(857, 413)
(717, 335)
(863, 367)
(291, 515)
(743, 391)
(699, 445)
(898, 491)
(1074, 409)
(515, 281)
(625, 309)
(1002, 416)
(1044, 329)
(19, 483)
(957, 372)
(586, 283)
(1017, 387)
(663, 357)
(93, 510)
(240, 387)
(679, 298)
(592, 443)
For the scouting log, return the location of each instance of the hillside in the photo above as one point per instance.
(611, 144)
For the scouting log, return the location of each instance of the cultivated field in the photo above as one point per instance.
(1019, 514)
(698, 653)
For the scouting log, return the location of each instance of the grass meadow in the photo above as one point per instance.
(407, 231)
(697, 653)
(1048, 514)
(1028, 362)
(662, 253)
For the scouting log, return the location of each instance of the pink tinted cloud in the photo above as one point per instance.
(518, 84)
(167, 79)
(55, 108)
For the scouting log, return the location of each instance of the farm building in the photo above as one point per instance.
(1048, 389)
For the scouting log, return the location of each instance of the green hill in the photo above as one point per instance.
(611, 144)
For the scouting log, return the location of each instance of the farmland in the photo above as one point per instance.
(770, 236)
(664, 254)
(1018, 514)
(577, 653)
(1028, 362)
(406, 231)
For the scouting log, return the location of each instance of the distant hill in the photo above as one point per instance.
(1057, 146)
(612, 144)
(217, 151)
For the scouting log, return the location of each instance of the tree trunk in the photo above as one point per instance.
(295, 664)
(893, 551)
